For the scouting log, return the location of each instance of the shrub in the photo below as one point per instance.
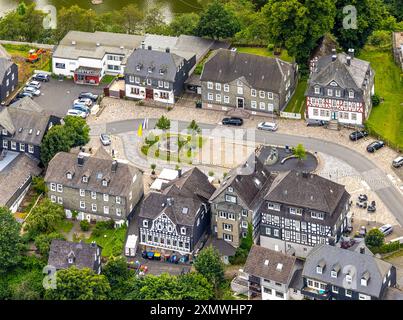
(43, 241)
(84, 225)
(38, 183)
(270, 47)
(102, 226)
(376, 100)
(386, 248)
(380, 38)
(374, 238)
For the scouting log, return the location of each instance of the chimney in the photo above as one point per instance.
(351, 52)
(334, 57)
(114, 165)
(73, 43)
(143, 44)
(167, 50)
(80, 160)
(149, 48)
(348, 60)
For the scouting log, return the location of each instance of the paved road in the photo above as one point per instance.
(371, 174)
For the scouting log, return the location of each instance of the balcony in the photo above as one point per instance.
(316, 293)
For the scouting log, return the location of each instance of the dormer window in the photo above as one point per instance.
(69, 175)
(139, 66)
(145, 223)
(335, 271)
(162, 71)
(104, 183)
(319, 270)
(183, 230)
(333, 274)
(351, 94)
(4, 132)
(349, 278)
(365, 278)
(185, 210)
(320, 267)
(85, 179)
(150, 69)
(230, 189)
(317, 90)
(71, 260)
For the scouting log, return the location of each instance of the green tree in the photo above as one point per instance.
(208, 263)
(154, 21)
(44, 218)
(79, 284)
(84, 225)
(376, 100)
(120, 278)
(298, 25)
(241, 253)
(193, 127)
(299, 152)
(195, 286)
(185, 23)
(131, 18)
(370, 13)
(374, 238)
(10, 240)
(78, 129)
(43, 242)
(217, 22)
(153, 166)
(163, 123)
(39, 185)
(54, 141)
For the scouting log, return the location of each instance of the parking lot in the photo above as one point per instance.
(57, 96)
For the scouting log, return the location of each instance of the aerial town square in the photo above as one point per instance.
(233, 150)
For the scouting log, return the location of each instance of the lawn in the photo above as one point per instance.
(65, 226)
(107, 79)
(261, 51)
(111, 241)
(386, 120)
(297, 103)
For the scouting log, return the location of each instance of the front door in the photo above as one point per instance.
(240, 103)
(149, 93)
(334, 115)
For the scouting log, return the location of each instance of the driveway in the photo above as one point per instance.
(57, 96)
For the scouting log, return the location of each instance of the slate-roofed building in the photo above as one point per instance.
(66, 254)
(257, 84)
(234, 204)
(340, 89)
(157, 75)
(175, 219)
(8, 75)
(95, 185)
(23, 126)
(271, 275)
(16, 172)
(301, 210)
(338, 274)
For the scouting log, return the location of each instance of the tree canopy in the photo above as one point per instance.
(9, 240)
(44, 218)
(374, 238)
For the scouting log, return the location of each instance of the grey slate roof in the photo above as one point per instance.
(84, 254)
(22, 117)
(313, 192)
(259, 72)
(249, 180)
(362, 263)
(255, 264)
(188, 191)
(351, 77)
(5, 64)
(97, 167)
(167, 61)
(223, 247)
(15, 174)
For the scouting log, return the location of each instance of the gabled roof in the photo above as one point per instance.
(5, 64)
(83, 254)
(259, 72)
(271, 265)
(250, 181)
(346, 76)
(306, 190)
(189, 191)
(359, 264)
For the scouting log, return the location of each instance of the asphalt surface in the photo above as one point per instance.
(371, 174)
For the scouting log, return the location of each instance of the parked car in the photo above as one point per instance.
(398, 162)
(41, 77)
(268, 126)
(24, 94)
(82, 108)
(86, 101)
(362, 197)
(315, 123)
(386, 229)
(32, 90)
(357, 135)
(232, 121)
(376, 145)
(105, 139)
(88, 95)
(76, 113)
(34, 84)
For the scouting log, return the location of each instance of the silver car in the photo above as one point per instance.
(32, 90)
(105, 139)
(386, 229)
(34, 84)
(268, 126)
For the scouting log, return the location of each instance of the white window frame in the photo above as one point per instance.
(106, 197)
(253, 92)
(226, 87)
(210, 96)
(226, 99)
(118, 199)
(218, 86)
(106, 210)
(183, 231)
(210, 85)
(230, 198)
(94, 207)
(262, 94)
(93, 195)
(82, 204)
(253, 104)
(30, 148)
(118, 212)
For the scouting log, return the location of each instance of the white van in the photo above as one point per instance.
(268, 126)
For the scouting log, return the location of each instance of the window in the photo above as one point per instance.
(13, 145)
(53, 198)
(239, 90)
(227, 237)
(210, 96)
(5, 144)
(363, 297)
(296, 211)
(349, 293)
(335, 289)
(262, 94)
(349, 279)
(315, 112)
(22, 147)
(270, 95)
(218, 97)
(118, 199)
(273, 206)
(30, 148)
(4, 132)
(226, 99)
(60, 65)
(231, 216)
(218, 86)
(227, 227)
(268, 231)
(229, 198)
(106, 209)
(59, 188)
(94, 207)
(317, 215)
(160, 84)
(333, 274)
(93, 195)
(104, 183)
(261, 105)
(267, 290)
(183, 230)
(69, 176)
(253, 104)
(353, 116)
(338, 93)
(137, 79)
(135, 91)
(226, 87)
(276, 233)
(85, 179)
(317, 90)
(210, 85)
(253, 92)
(59, 200)
(149, 82)
(82, 204)
(329, 92)
(131, 79)
(166, 85)
(279, 295)
(118, 212)
(222, 214)
(106, 197)
(244, 213)
(319, 270)
(351, 94)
